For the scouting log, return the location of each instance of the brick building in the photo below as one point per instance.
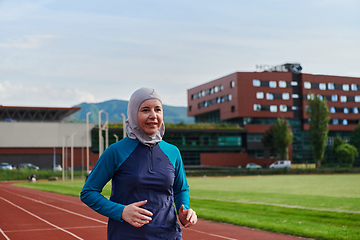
(254, 100)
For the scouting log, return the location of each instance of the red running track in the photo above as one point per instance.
(33, 214)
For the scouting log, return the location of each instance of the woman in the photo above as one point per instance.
(147, 177)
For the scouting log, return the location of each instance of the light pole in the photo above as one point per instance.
(72, 156)
(54, 159)
(63, 158)
(106, 128)
(87, 142)
(124, 129)
(116, 137)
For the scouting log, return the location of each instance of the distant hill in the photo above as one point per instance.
(114, 108)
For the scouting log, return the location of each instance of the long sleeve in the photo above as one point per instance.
(101, 174)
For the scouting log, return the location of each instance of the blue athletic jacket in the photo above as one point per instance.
(139, 172)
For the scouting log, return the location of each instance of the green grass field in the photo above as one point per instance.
(314, 206)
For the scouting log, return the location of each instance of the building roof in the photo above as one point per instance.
(35, 114)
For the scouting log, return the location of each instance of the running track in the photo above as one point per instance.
(32, 214)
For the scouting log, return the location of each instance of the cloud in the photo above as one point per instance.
(29, 41)
(47, 95)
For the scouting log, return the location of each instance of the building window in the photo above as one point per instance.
(272, 84)
(357, 98)
(354, 87)
(203, 93)
(232, 84)
(282, 84)
(332, 110)
(331, 86)
(307, 85)
(335, 121)
(221, 87)
(286, 96)
(273, 108)
(257, 107)
(269, 96)
(190, 108)
(216, 89)
(322, 86)
(218, 100)
(232, 108)
(260, 95)
(343, 99)
(346, 110)
(256, 83)
(293, 83)
(355, 110)
(295, 96)
(334, 98)
(294, 108)
(254, 137)
(345, 122)
(345, 87)
(229, 97)
(259, 153)
(283, 108)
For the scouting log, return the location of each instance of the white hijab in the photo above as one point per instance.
(133, 127)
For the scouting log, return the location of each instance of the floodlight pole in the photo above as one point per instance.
(116, 137)
(106, 128)
(54, 159)
(87, 142)
(124, 129)
(63, 158)
(72, 156)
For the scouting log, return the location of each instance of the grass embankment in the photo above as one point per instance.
(306, 205)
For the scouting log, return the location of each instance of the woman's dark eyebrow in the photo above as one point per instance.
(146, 107)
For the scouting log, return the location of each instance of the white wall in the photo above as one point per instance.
(42, 134)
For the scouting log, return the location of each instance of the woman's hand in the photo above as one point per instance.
(135, 215)
(187, 217)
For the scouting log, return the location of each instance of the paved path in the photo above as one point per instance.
(33, 214)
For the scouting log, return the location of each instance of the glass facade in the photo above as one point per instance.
(191, 142)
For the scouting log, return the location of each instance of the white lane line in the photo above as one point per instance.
(281, 205)
(214, 235)
(59, 199)
(52, 229)
(59, 208)
(2, 232)
(41, 219)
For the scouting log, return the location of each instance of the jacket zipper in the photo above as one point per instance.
(150, 159)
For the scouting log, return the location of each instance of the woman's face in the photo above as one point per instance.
(150, 116)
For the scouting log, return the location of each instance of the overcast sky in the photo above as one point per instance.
(59, 53)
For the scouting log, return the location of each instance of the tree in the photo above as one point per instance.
(283, 137)
(337, 142)
(278, 138)
(346, 153)
(268, 141)
(318, 113)
(355, 137)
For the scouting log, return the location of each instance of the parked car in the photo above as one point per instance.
(58, 168)
(252, 166)
(28, 165)
(5, 165)
(281, 164)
